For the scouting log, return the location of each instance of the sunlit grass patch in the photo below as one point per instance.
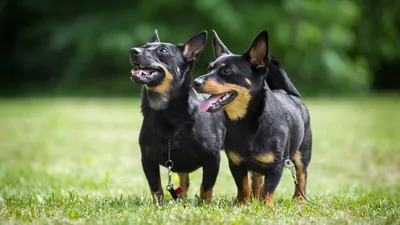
(78, 161)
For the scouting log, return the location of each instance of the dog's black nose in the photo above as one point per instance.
(135, 51)
(198, 83)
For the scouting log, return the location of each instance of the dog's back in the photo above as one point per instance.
(302, 157)
(279, 82)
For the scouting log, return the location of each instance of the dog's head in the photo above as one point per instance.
(232, 80)
(161, 66)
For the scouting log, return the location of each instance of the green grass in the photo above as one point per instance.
(78, 161)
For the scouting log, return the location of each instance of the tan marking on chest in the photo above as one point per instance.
(268, 157)
(234, 157)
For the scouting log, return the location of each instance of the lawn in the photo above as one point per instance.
(78, 161)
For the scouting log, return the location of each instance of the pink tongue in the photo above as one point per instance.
(206, 104)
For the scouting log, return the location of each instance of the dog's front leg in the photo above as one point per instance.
(210, 173)
(152, 172)
(242, 179)
(271, 181)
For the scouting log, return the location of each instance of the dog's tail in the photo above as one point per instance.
(278, 79)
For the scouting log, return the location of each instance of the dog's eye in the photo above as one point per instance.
(226, 71)
(163, 50)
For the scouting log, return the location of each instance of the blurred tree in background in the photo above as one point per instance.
(82, 47)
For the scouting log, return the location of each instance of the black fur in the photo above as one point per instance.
(196, 138)
(278, 79)
(275, 119)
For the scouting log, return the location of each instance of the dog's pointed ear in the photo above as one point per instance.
(219, 47)
(258, 52)
(155, 37)
(195, 46)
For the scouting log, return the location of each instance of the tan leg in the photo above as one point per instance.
(206, 196)
(301, 178)
(159, 194)
(184, 184)
(244, 193)
(257, 181)
(269, 198)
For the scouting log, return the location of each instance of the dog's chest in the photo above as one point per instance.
(239, 157)
(246, 149)
(181, 152)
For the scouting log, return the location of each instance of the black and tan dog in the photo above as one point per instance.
(170, 111)
(264, 126)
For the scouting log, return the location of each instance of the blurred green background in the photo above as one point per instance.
(79, 48)
(77, 159)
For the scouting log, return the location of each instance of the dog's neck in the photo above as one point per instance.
(174, 113)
